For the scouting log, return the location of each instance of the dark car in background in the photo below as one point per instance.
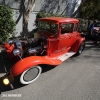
(97, 27)
(96, 34)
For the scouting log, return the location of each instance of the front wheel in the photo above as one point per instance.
(30, 75)
(81, 48)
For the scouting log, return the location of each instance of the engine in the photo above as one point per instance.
(29, 47)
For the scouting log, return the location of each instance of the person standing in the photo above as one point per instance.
(91, 30)
(92, 27)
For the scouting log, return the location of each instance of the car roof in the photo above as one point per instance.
(58, 19)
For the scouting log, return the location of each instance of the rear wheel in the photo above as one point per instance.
(30, 75)
(81, 48)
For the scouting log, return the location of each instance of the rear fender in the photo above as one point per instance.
(77, 44)
(32, 61)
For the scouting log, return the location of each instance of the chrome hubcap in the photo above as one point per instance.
(31, 74)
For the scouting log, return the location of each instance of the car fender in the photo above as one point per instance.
(8, 47)
(32, 61)
(77, 44)
(9, 50)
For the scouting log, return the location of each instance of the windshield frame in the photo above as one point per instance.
(48, 26)
(96, 25)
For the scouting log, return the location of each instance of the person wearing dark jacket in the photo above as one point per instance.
(91, 30)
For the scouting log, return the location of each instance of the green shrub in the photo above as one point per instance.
(83, 24)
(7, 24)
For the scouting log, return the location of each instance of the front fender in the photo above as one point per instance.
(29, 62)
(8, 47)
(9, 50)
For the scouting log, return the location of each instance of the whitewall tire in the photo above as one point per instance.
(30, 75)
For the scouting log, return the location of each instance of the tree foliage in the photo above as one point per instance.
(91, 9)
(7, 24)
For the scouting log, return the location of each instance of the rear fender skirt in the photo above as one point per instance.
(77, 44)
(32, 61)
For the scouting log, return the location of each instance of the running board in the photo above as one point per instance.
(66, 56)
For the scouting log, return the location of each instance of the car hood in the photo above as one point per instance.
(97, 28)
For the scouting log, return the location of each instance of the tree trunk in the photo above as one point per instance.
(25, 25)
(26, 14)
(79, 8)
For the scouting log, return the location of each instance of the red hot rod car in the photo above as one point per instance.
(57, 39)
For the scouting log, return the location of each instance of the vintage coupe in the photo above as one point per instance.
(57, 39)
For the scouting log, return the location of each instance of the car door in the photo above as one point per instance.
(74, 34)
(65, 37)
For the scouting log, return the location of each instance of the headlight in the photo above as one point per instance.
(16, 52)
(6, 81)
(9, 79)
(10, 41)
(18, 45)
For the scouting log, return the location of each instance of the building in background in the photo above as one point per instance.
(63, 7)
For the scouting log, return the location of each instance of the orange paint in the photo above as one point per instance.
(32, 61)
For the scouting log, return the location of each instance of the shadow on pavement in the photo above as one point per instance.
(4, 88)
(46, 68)
(91, 45)
(16, 84)
(5, 62)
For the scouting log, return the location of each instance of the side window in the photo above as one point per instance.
(67, 28)
(76, 27)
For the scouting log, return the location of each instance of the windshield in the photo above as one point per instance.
(48, 26)
(97, 25)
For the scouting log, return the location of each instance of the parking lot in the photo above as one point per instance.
(78, 78)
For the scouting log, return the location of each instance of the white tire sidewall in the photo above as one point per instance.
(22, 75)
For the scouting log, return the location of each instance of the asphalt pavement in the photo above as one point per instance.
(78, 78)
